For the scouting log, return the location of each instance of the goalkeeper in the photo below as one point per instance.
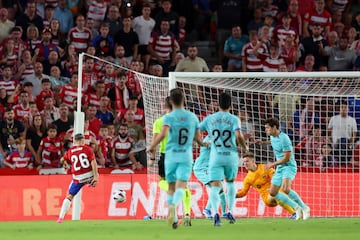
(157, 126)
(260, 179)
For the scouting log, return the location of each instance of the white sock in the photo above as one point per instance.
(65, 207)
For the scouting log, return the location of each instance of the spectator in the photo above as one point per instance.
(50, 113)
(341, 58)
(332, 39)
(128, 39)
(136, 132)
(89, 77)
(45, 46)
(50, 149)
(29, 17)
(57, 81)
(45, 92)
(103, 113)
(36, 78)
(167, 13)
(143, 25)
(92, 97)
(283, 31)
(20, 158)
(268, 9)
(53, 60)
(68, 92)
(5, 24)
(104, 143)
(32, 39)
(26, 66)
(8, 56)
(7, 80)
(58, 38)
(285, 105)
(257, 20)
(296, 20)
(342, 131)
(120, 58)
(246, 126)
(162, 47)
(48, 15)
(310, 147)
(326, 158)
(250, 61)
(69, 60)
(114, 20)
(97, 10)
(192, 63)
(64, 16)
(271, 61)
(139, 115)
(312, 45)
(22, 109)
(34, 134)
(119, 93)
(11, 130)
(80, 36)
(355, 160)
(94, 122)
(317, 15)
(233, 49)
(63, 124)
(103, 43)
(122, 154)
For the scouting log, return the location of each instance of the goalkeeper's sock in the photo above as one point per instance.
(65, 207)
(286, 207)
(222, 202)
(187, 201)
(282, 197)
(169, 199)
(214, 198)
(178, 195)
(294, 196)
(163, 185)
(231, 193)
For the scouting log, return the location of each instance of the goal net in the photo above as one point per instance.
(313, 108)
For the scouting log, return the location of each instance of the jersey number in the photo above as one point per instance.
(226, 134)
(183, 138)
(80, 161)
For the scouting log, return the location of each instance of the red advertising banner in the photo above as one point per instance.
(34, 197)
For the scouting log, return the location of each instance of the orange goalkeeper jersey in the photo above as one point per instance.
(260, 180)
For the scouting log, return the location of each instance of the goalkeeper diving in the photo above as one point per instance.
(260, 179)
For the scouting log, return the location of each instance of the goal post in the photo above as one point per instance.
(304, 102)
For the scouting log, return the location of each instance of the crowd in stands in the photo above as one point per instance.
(40, 41)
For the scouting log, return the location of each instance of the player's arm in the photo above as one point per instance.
(240, 138)
(158, 138)
(64, 163)
(283, 160)
(199, 140)
(242, 192)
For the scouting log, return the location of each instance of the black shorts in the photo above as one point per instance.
(142, 50)
(161, 165)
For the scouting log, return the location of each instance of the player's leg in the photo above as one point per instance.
(73, 190)
(162, 182)
(216, 175)
(203, 177)
(187, 201)
(230, 174)
(170, 175)
(276, 182)
(222, 196)
(273, 202)
(288, 176)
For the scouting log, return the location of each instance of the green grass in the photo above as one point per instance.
(247, 229)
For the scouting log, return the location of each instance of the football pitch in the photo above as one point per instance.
(244, 228)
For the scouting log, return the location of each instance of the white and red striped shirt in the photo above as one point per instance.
(122, 148)
(313, 17)
(280, 34)
(9, 85)
(29, 70)
(339, 5)
(80, 38)
(67, 94)
(133, 83)
(51, 151)
(88, 136)
(20, 161)
(22, 113)
(97, 11)
(162, 45)
(253, 63)
(139, 116)
(80, 158)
